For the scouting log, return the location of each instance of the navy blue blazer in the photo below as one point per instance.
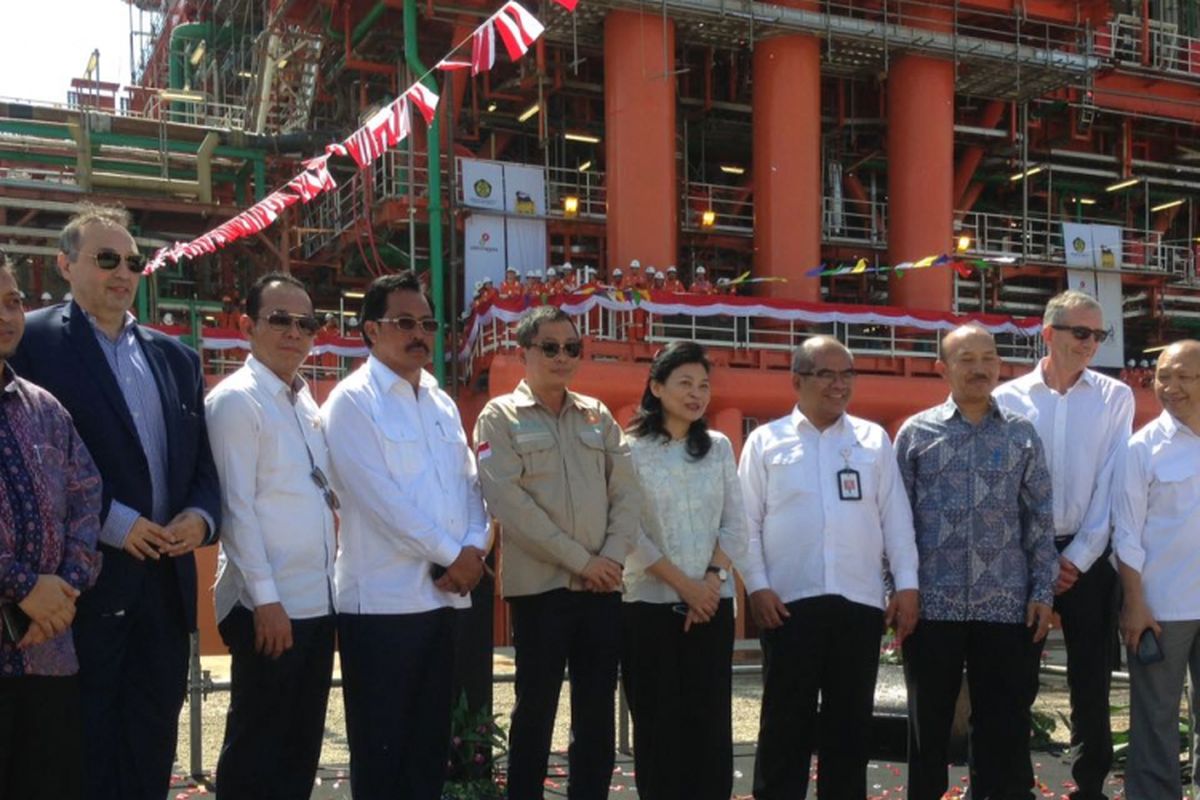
(59, 352)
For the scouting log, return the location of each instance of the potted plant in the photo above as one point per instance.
(476, 742)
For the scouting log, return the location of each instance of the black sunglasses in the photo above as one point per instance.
(830, 375)
(1082, 332)
(111, 259)
(405, 323)
(551, 349)
(331, 498)
(281, 322)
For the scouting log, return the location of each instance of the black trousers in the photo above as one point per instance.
(828, 647)
(41, 738)
(276, 718)
(552, 631)
(1001, 662)
(397, 674)
(1089, 621)
(679, 689)
(133, 666)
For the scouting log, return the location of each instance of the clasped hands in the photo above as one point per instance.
(50, 606)
(181, 535)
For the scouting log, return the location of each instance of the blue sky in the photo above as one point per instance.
(47, 42)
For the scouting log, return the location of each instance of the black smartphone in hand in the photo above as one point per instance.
(15, 622)
(1149, 649)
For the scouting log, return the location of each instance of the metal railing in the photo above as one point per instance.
(753, 332)
(1163, 49)
(852, 222)
(731, 207)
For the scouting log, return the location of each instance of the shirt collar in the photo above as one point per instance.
(523, 396)
(272, 381)
(946, 411)
(127, 324)
(386, 379)
(1037, 376)
(10, 380)
(799, 420)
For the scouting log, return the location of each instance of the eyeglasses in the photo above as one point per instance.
(282, 321)
(331, 498)
(110, 259)
(829, 375)
(407, 323)
(552, 349)
(1082, 332)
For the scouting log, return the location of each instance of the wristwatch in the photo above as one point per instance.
(720, 572)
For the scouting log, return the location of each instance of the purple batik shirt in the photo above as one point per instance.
(49, 514)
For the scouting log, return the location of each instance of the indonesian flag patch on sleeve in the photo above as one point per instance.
(483, 451)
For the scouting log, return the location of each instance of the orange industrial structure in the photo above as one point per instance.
(737, 135)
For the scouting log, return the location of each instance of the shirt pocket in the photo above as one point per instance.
(789, 477)
(1175, 491)
(403, 451)
(866, 463)
(453, 441)
(539, 456)
(592, 453)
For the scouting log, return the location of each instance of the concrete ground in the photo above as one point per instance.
(885, 778)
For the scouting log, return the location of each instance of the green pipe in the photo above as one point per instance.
(62, 133)
(434, 149)
(260, 179)
(105, 165)
(358, 34)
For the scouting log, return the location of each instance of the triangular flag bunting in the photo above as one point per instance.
(483, 48)
(425, 99)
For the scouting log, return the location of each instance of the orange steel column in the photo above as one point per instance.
(920, 150)
(639, 139)
(787, 165)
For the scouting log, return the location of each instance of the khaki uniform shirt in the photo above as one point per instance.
(563, 488)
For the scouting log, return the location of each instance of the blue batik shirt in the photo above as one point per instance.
(983, 514)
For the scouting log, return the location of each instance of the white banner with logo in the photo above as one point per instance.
(527, 244)
(1106, 288)
(484, 253)
(1092, 246)
(524, 190)
(483, 184)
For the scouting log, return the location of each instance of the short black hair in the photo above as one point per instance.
(374, 304)
(528, 326)
(254, 296)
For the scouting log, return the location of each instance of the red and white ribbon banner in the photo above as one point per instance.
(386, 128)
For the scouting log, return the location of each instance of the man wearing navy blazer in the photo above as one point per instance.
(137, 398)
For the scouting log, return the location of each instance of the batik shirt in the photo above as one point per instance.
(983, 514)
(49, 514)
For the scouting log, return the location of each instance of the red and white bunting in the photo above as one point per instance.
(569, 5)
(446, 65)
(425, 99)
(518, 28)
(384, 130)
(483, 48)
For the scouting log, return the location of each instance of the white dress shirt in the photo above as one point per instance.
(1158, 517)
(1083, 433)
(805, 540)
(409, 490)
(691, 506)
(277, 532)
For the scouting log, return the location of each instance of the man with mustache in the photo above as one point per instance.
(980, 492)
(412, 539)
(49, 521)
(1157, 539)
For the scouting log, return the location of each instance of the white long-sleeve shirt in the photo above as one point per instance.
(1158, 516)
(409, 490)
(806, 541)
(1083, 433)
(277, 532)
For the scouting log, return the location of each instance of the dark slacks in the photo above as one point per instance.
(1001, 663)
(41, 739)
(276, 718)
(133, 666)
(552, 631)
(1089, 621)
(828, 647)
(397, 671)
(679, 688)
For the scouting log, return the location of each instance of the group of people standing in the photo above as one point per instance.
(366, 521)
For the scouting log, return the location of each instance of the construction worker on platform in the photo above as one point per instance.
(617, 279)
(489, 291)
(725, 286)
(533, 283)
(229, 316)
(634, 279)
(672, 283)
(511, 286)
(701, 284)
(660, 281)
(554, 284)
(570, 280)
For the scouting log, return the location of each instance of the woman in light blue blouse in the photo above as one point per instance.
(677, 629)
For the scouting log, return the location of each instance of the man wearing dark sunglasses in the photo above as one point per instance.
(413, 537)
(1084, 420)
(274, 590)
(137, 398)
(558, 475)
